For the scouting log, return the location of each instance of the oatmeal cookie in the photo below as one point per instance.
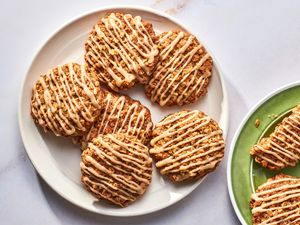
(282, 147)
(183, 71)
(121, 50)
(187, 145)
(121, 114)
(277, 201)
(66, 100)
(117, 168)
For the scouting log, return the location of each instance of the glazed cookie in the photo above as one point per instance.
(121, 114)
(121, 50)
(277, 201)
(187, 145)
(66, 100)
(183, 72)
(282, 147)
(116, 167)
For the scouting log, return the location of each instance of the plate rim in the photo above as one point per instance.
(225, 102)
(236, 136)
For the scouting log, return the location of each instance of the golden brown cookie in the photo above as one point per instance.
(183, 71)
(116, 167)
(187, 145)
(277, 201)
(66, 100)
(121, 114)
(282, 147)
(121, 50)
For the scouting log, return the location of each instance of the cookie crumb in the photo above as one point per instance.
(272, 116)
(257, 123)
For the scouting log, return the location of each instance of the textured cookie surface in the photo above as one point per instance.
(183, 71)
(121, 50)
(121, 114)
(282, 147)
(277, 202)
(187, 145)
(66, 100)
(117, 168)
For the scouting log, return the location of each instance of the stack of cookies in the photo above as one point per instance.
(114, 131)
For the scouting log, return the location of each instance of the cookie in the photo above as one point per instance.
(187, 145)
(121, 50)
(282, 147)
(117, 168)
(121, 114)
(66, 100)
(183, 71)
(277, 201)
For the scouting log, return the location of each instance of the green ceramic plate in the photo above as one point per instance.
(244, 175)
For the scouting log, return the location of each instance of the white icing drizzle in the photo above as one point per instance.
(63, 92)
(176, 71)
(120, 116)
(115, 167)
(287, 133)
(116, 41)
(197, 156)
(274, 201)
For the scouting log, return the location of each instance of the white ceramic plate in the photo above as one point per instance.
(57, 159)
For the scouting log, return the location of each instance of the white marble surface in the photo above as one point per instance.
(256, 43)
